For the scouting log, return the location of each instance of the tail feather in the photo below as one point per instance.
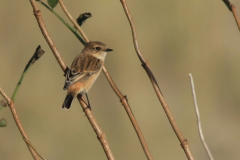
(67, 102)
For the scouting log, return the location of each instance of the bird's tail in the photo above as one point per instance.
(67, 102)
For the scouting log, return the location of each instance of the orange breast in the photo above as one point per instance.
(83, 86)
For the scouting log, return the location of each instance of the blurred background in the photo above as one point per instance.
(176, 37)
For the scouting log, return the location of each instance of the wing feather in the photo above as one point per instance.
(83, 66)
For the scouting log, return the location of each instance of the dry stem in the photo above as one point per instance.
(96, 127)
(124, 102)
(101, 136)
(18, 123)
(122, 98)
(234, 11)
(145, 65)
(199, 119)
(232, 8)
(46, 35)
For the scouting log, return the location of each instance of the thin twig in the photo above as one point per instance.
(124, 102)
(145, 65)
(228, 4)
(234, 11)
(38, 53)
(122, 98)
(30, 144)
(96, 127)
(5, 96)
(100, 135)
(232, 8)
(46, 35)
(18, 123)
(199, 119)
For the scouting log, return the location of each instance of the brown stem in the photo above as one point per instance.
(101, 136)
(96, 127)
(124, 102)
(18, 123)
(145, 65)
(116, 90)
(232, 8)
(234, 11)
(46, 35)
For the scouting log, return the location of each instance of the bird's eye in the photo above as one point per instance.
(98, 48)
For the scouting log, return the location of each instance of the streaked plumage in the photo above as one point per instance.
(85, 69)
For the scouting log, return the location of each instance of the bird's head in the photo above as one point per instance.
(97, 49)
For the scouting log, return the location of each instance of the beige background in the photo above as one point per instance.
(176, 37)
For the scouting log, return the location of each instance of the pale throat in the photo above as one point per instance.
(100, 56)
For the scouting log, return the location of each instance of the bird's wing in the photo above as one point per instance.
(82, 67)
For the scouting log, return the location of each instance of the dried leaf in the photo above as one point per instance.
(228, 4)
(3, 103)
(38, 53)
(82, 18)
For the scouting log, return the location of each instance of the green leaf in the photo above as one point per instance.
(3, 122)
(52, 3)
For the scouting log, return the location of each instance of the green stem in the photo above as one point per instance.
(20, 81)
(64, 22)
(38, 53)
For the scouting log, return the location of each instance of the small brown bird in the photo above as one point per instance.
(85, 69)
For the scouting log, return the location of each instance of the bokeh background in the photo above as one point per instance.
(176, 37)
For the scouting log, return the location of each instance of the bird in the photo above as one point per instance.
(84, 71)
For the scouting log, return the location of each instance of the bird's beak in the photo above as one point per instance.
(108, 50)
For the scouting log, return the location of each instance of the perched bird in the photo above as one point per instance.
(85, 69)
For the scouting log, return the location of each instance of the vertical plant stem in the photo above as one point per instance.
(232, 8)
(234, 11)
(37, 54)
(199, 119)
(19, 84)
(100, 134)
(46, 35)
(127, 108)
(145, 65)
